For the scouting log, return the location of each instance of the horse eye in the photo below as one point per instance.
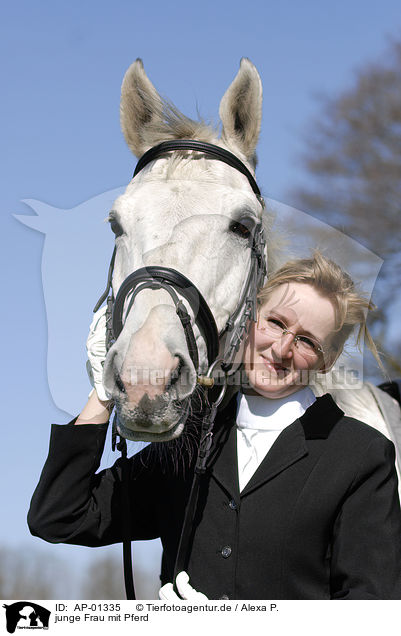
(116, 227)
(240, 229)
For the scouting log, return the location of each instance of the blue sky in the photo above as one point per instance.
(62, 67)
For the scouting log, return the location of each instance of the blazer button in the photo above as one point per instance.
(232, 504)
(226, 551)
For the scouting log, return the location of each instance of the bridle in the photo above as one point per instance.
(176, 284)
(156, 277)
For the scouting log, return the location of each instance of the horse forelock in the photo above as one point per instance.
(173, 124)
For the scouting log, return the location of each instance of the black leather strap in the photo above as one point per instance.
(126, 529)
(200, 146)
(205, 444)
(109, 281)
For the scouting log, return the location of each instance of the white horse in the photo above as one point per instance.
(191, 213)
(188, 212)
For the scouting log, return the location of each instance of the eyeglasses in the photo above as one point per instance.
(305, 345)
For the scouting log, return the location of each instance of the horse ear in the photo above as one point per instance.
(241, 111)
(141, 108)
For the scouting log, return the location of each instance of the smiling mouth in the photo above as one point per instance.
(278, 368)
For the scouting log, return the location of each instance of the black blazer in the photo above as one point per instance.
(319, 519)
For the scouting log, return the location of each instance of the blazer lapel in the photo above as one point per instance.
(316, 423)
(289, 447)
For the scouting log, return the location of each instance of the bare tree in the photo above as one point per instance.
(105, 580)
(31, 573)
(353, 176)
(27, 573)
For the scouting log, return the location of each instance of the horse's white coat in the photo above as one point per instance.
(178, 213)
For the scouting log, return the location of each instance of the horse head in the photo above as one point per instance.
(188, 212)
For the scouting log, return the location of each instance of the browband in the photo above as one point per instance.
(208, 149)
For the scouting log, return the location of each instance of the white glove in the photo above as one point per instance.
(96, 349)
(166, 593)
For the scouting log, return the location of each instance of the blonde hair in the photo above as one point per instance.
(351, 307)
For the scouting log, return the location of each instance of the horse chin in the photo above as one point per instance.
(136, 426)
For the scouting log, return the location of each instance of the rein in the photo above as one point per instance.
(175, 283)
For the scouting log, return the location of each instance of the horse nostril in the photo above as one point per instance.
(120, 384)
(175, 374)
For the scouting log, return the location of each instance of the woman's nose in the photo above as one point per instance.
(282, 347)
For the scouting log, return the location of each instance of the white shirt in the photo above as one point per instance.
(259, 423)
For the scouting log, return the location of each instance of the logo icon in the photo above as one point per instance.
(26, 615)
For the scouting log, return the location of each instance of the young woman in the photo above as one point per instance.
(298, 500)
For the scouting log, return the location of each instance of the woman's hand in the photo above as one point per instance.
(96, 349)
(97, 409)
(187, 593)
